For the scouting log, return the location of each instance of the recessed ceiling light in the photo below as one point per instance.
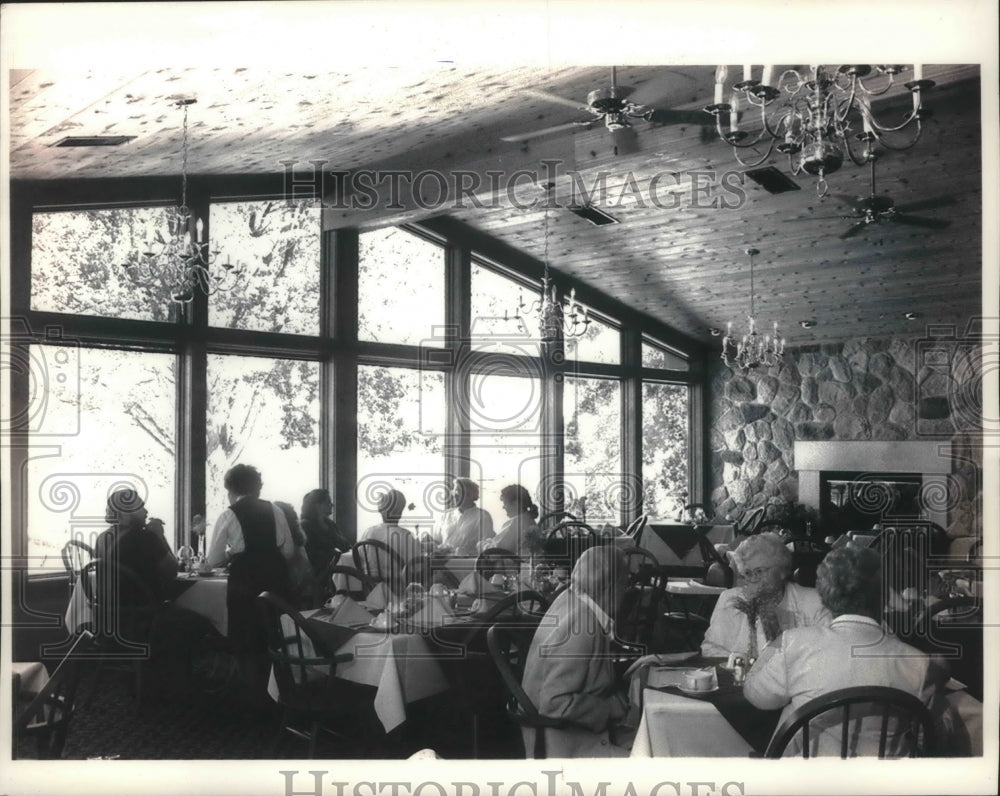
(807, 324)
(715, 332)
(94, 140)
(911, 316)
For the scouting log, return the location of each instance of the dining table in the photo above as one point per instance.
(405, 657)
(719, 722)
(204, 594)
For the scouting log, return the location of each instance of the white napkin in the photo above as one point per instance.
(378, 598)
(346, 611)
(475, 585)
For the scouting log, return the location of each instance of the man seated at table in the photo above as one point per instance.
(568, 672)
(747, 617)
(400, 540)
(253, 537)
(464, 526)
(853, 650)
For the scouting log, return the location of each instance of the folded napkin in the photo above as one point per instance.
(345, 611)
(475, 585)
(378, 598)
(432, 613)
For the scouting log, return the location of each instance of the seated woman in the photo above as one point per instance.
(520, 533)
(852, 650)
(302, 582)
(400, 540)
(138, 546)
(568, 673)
(464, 526)
(747, 617)
(324, 541)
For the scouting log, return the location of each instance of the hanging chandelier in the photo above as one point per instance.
(556, 318)
(175, 257)
(821, 116)
(752, 350)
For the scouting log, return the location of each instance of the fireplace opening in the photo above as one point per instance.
(855, 501)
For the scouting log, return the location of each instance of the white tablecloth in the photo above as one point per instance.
(399, 665)
(675, 726)
(205, 596)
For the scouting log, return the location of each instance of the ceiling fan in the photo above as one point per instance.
(616, 106)
(873, 209)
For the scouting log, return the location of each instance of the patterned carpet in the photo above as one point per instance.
(205, 726)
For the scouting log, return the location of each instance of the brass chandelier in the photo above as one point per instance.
(752, 350)
(175, 257)
(816, 118)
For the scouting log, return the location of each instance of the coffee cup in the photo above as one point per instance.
(699, 679)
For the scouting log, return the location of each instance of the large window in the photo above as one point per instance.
(400, 288)
(102, 420)
(401, 425)
(275, 246)
(665, 448)
(81, 263)
(263, 412)
(594, 476)
(505, 416)
(396, 403)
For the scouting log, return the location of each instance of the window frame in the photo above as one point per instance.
(336, 347)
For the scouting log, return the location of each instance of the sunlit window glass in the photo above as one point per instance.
(400, 288)
(665, 444)
(401, 423)
(275, 246)
(599, 343)
(596, 486)
(654, 356)
(263, 412)
(504, 418)
(101, 420)
(80, 262)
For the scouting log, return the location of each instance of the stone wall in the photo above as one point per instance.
(862, 389)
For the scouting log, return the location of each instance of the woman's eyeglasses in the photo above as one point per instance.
(757, 573)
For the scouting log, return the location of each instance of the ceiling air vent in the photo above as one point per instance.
(596, 217)
(94, 140)
(772, 180)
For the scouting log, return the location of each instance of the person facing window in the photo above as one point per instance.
(520, 533)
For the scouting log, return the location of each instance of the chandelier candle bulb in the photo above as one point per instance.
(734, 103)
(720, 83)
(768, 75)
(748, 71)
(200, 227)
(918, 71)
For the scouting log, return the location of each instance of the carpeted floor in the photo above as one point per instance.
(203, 726)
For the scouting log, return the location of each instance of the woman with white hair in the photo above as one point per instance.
(750, 616)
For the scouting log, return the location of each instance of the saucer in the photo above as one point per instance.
(698, 692)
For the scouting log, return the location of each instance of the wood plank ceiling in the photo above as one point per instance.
(681, 262)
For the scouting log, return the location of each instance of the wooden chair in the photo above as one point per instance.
(336, 579)
(508, 648)
(496, 560)
(380, 563)
(75, 556)
(635, 528)
(749, 524)
(552, 518)
(874, 708)
(304, 692)
(566, 542)
(427, 570)
(121, 632)
(48, 714)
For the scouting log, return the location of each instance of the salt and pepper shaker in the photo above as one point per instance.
(739, 672)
